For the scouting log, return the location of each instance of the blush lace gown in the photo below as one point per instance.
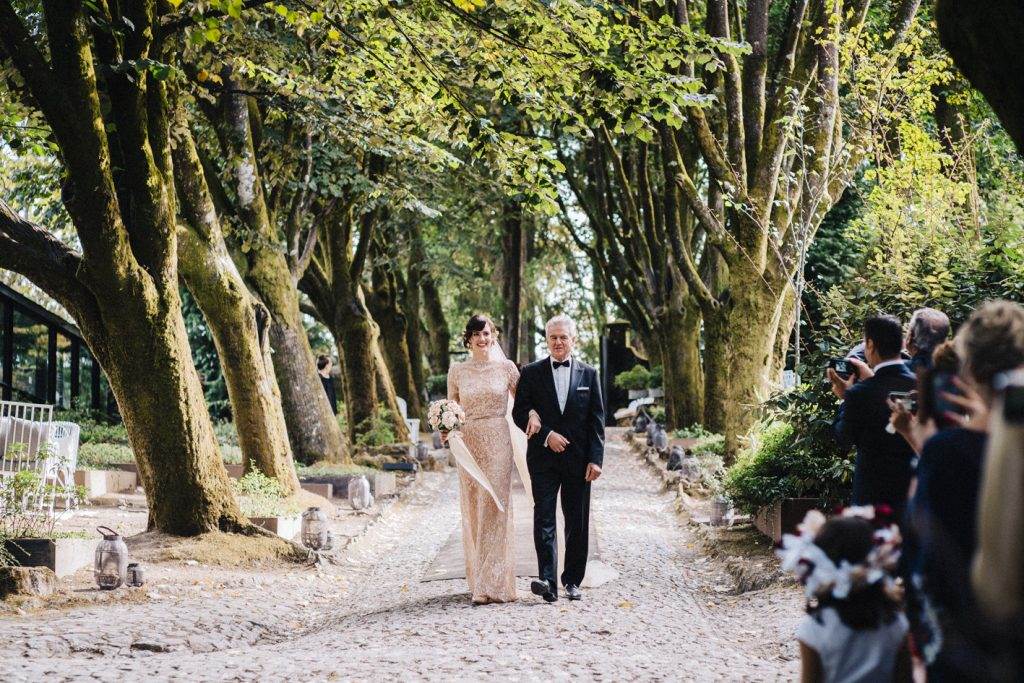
(482, 389)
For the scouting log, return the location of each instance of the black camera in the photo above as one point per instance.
(843, 367)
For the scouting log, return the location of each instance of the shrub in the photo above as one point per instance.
(260, 496)
(101, 456)
(707, 441)
(331, 469)
(376, 430)
(227, 433)
(636, 377)
(656, 377)
(657, 414)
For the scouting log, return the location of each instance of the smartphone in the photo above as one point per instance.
(1011, 384)
(843, 367)
(907, 399)
(942, 383)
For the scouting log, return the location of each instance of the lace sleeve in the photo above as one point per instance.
(453, 384)
(513, 377)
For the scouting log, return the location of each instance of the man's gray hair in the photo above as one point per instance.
(928, 328)
(561, 319)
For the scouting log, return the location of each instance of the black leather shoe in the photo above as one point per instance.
(572, 592)
(544, 590)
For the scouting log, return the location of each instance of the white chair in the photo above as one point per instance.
(31, 426)
(64, 438)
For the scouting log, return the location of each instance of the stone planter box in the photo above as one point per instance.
(637, 393)
(381, 484)
(286, 527)
(783, 517)
(656, 393)
(64, 556)
(101, 482)
(325, 489)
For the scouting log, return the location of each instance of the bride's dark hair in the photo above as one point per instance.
(476, 324)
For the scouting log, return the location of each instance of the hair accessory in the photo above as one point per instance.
(820, 576)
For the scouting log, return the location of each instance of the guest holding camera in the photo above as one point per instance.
(882, 469)
(944, 509)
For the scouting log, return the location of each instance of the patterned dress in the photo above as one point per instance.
(482, 389)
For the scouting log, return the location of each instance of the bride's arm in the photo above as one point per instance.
(453, 384)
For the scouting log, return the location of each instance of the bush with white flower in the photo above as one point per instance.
(445, 415)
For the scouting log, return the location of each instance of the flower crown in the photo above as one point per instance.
(820, 576)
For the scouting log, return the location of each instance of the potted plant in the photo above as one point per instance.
(634, 381)
(656, 382)
(262, 500)
(28, 536)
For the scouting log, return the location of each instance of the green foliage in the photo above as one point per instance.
(204, 356)
(437, 385)
(637, 377)
(656, 378)
(794, 455)
(18, 496)
(260, 496)
(657, 413)
(376, 430)
(102, 456)
(331, 469)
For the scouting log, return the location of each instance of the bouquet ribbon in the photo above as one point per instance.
(466, 461)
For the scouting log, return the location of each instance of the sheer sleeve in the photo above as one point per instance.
(453, 383)
(513, 376)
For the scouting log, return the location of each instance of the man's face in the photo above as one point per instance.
(560, 341)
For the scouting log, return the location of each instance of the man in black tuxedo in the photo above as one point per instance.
(565, 453)
(883, 468)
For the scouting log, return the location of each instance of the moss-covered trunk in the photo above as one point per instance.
(437, 327)
(677, 334)
(383, 303)
(238, 323)
(739, 347)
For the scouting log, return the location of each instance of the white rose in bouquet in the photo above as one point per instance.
(445, 415)
(449, 420)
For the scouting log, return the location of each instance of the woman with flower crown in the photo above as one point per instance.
(854, 630)
(482, 386)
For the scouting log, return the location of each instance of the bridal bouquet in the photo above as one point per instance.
(445, 415)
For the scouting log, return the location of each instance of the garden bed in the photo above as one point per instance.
(64, 556)
(783, 516)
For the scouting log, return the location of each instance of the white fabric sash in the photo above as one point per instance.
(467, 462)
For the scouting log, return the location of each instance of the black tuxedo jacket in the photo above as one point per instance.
(883, 467)
(582, 423)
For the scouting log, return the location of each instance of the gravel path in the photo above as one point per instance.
(669, 615)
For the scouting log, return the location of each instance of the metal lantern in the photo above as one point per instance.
(719, 510)
(422, 452)
(134, 578)
(661, 440)
(359, 495)
(640, 423)
(111, 568)
(315, 534)
(675, 458)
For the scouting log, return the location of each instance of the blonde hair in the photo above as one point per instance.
(998, 573)
(992, 340)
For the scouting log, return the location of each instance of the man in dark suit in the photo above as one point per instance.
(565, 454)
(882, 470)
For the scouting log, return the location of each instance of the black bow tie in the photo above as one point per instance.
(557, 364)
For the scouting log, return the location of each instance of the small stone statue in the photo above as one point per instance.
(675, 459)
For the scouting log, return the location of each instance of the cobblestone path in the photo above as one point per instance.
(669, 615)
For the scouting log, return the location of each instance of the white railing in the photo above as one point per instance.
(30, 441)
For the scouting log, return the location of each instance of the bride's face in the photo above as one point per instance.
(480, 342)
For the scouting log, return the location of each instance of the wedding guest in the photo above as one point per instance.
(323, 367)
(927, 329)
(882, 469)
(943, 512)
(854, 630)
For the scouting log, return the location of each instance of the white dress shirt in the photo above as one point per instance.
(562, 375)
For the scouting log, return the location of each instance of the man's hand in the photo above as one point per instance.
(863, 370)
(593, 472)
(840, 385)
(533, 425)
(557, 442)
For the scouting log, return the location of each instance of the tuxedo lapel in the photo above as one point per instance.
(548, 380)
(574, 381)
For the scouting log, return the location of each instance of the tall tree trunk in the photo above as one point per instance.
(739, 347)
(239, 324)
(122, 288)
(412, 305)
(312, 429)
(437, 326)
(513, 240)
(394, 344)
(677, 335)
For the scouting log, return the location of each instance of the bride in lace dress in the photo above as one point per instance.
(481, 385)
